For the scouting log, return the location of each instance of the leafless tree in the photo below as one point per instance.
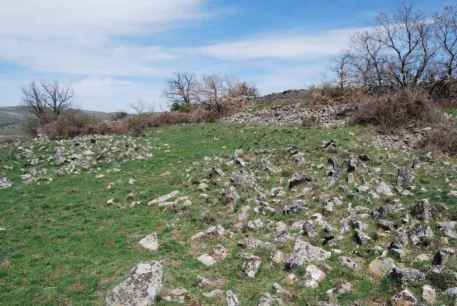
(141, 107)
(368, 60)
(182, 89)
(47, 97)
(446, 34)
(406, 39)
(342, 66)
(213, 89)
(237, 88)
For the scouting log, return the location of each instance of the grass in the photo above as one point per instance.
(63, 244)
(451, 111)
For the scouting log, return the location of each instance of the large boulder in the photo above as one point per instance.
(304, 252)
(140, 288)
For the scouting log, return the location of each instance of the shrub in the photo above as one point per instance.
(442, 138)
(400, 109)
(70, 124)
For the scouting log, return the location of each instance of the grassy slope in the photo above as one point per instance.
(64, 245)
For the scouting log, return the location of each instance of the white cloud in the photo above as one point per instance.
(282, 46)
(58, 18)
(109, 94)
(76, 37)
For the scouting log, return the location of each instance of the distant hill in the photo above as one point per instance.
(12, 117)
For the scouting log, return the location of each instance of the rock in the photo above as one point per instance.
(211, 232)
(251, 244)
(298, 179)
(231, 196)
(266, 300)
(380, 267)
(384, 190)
(361, 238)
(277, 257)
(404, 298)
(349, 263)
(423, 210)
(231, 299)
(177, 296)
(305, 252)
(150, 242)
(421, 235)
(313, 276)
(441, 257)
(5, 183)
(405, 177)
(206, 260)
(449, 229)
(214, 293)
(251, 265)
(255, 224)
(429, 294)
(294, 207)
(451, 292)
(407, 275)
(140, 288)
(164, 198)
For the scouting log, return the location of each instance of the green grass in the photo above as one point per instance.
(63, 244)
(452, 111)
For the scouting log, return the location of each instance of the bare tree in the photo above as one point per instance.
(182, 89)
(241, 89)
(368, 60)
(213, 89)
(446, 34)
(406, 39)
(343, 64)
(47, 98)
(141, 107)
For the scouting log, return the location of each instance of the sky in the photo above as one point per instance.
(114, 53)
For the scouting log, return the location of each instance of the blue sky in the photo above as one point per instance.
(116, 52)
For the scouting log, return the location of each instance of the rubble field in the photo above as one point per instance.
(221, 214)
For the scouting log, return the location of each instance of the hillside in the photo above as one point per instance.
(222, 214)
(12, 118)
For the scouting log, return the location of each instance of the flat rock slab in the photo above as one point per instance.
(140, 288)
(150, 242)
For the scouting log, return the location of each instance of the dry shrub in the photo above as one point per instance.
(328, 94)
(69, 124)
(397, 110)
(137, 124)
(442, 138)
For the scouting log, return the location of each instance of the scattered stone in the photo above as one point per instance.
(150, 242)
(140, 288)
(211, 232)
(213, 293)
(380, 267)
(305, 252)
(231, 299)
(175, 296)
(429, 294)
(298, 179)
(404, 298)
(266, 300)
(207, 260)
(5, 183)
(251, 265)
(313, 276)
(350, 263)
(449, 228)
(384, 190)
(407, 275)
(164, 198)
(451, 292)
